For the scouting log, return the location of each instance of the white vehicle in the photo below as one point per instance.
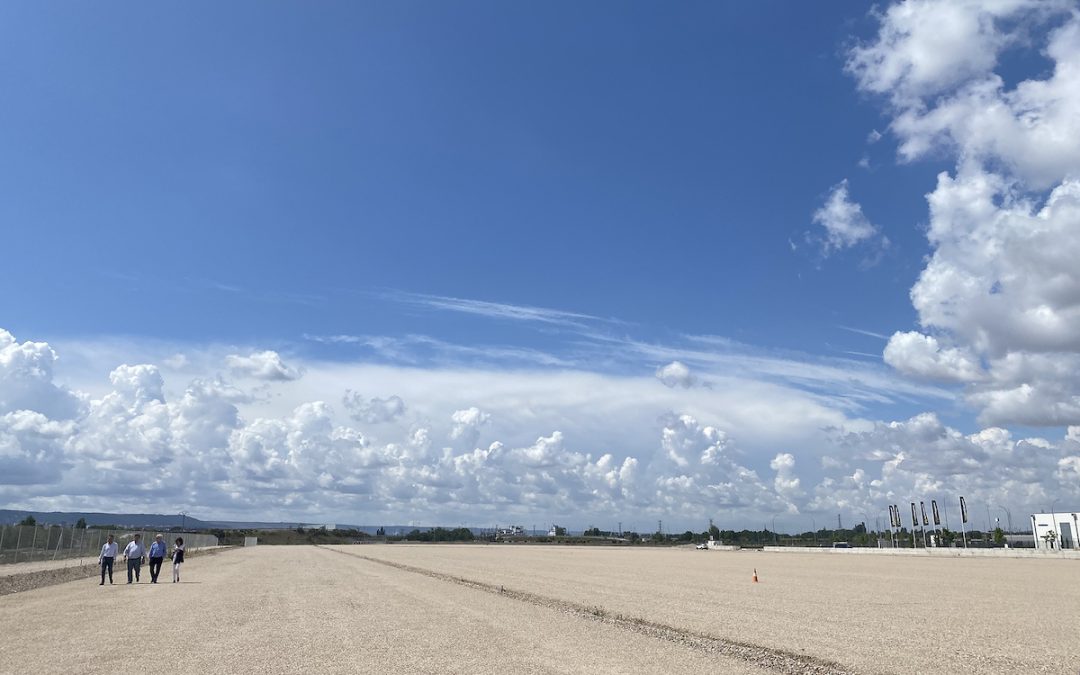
(703, 547)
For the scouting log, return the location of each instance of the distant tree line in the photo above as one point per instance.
(437, 534)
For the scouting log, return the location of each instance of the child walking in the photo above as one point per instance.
(177, 559)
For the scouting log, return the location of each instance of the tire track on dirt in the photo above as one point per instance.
(778, 660)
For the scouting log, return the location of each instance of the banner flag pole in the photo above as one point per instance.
(963, 519)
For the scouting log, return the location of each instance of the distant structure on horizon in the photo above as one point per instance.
(1055, 530)
(511, 531)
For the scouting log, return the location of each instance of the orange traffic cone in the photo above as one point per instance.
(755, 576)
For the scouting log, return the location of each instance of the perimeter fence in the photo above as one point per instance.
(67, 546)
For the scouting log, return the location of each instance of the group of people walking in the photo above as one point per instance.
(134, 553)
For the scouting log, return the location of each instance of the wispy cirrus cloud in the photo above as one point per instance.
(428, 350)
(843, 382)
(497, 310)
(863, 331)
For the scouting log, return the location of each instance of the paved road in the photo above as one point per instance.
(313, 610)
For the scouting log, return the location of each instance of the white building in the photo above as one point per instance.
(1055, 530)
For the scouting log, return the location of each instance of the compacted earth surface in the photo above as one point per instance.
(549, 609)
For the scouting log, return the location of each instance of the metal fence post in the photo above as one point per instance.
(18, 540)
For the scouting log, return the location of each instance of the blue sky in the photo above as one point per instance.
(619, 161)
(515, 192)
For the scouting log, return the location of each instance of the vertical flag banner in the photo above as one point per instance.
(914, 517)
(937, 516)
(925, 520)
(963, 510)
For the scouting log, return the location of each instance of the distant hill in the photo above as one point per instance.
(132, 520)
(157, 521)
(161, 521)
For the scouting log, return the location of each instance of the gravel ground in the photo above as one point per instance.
(285, 609)
(868, 613)
(30, 576)
(42, 565)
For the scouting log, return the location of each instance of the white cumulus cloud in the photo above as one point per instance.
(675, 374)
(844, 222)
(264, 365)
(999, 298)
(922, 356)
(373, 410)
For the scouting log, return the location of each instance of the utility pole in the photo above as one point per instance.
(660, 526)
(620, 528)
(839, 523)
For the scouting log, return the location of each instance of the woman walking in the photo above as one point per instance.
(177, 559)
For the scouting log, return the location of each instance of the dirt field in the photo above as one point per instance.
(90, 559)
(506, 609)
(872, 613)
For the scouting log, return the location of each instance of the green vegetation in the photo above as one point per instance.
(292, 537)
(437, 534)
(28, 521)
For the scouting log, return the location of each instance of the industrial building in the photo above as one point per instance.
(1056, 530)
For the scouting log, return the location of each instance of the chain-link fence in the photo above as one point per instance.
(74, 546)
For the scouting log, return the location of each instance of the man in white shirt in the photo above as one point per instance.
(108, 554)
(133, 554)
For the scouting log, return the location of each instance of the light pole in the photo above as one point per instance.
(814, 522)
(1054, 523)
(775, 543)
(1008, 516)
(183, 520)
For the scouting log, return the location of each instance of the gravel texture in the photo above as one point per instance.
(29, 576)
(44, 565)
(864, 613)
(549, 609)
(303, 609)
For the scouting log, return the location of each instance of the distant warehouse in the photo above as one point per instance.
(1055, 530)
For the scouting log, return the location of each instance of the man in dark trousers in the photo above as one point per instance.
(133, 554)
(108, 555)
(157, 556)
